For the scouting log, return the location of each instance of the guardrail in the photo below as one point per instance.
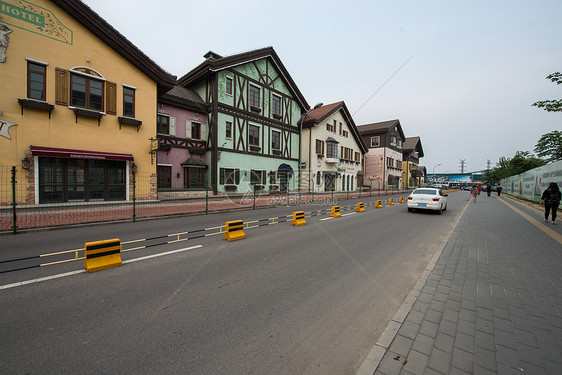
(144, 243)
(18, 210)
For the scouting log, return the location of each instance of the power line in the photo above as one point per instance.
(385, 82)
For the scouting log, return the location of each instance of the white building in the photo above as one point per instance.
(383, 161)
(331, 150)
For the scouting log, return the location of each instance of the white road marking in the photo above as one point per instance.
(72, 273)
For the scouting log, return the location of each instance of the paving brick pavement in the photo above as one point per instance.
(489, 303)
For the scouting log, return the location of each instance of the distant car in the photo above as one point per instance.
(427, 199)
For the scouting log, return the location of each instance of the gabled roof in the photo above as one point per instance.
(214, 63)
(104, 31)
(181, 97)
(413, 144)
(381, 128)
(318, 115)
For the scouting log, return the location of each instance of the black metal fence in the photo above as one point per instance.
(19, 208)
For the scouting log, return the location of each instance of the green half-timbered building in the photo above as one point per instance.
(253, 140)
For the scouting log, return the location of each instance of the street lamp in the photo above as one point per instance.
(434, 171)
(300, 142)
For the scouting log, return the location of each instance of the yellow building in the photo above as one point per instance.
(412, 173)
(77, 104)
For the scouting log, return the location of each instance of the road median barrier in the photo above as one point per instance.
(390, 202)
(378, 204)
(360, 207)
(401, 200)
(298, 218)
(335, 211)
(234, 230)
(101, 255)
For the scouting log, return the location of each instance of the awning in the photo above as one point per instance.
(330, 139)
(285, 168)
(78, 154)
(192, 162)
(327, 173)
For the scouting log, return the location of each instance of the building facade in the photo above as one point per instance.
(412, 172)
(332, 150)
(382, 164)
(182, 142)
(78, 101)
(253, 134)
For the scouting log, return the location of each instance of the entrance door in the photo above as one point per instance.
(96, 180)
(76, 180)
(283, 182)
(329, 182)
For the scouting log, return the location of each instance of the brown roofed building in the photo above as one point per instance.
(382, 164)
(332, 150)
(412, 173)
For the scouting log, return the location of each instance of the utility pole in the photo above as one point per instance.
(463, 165)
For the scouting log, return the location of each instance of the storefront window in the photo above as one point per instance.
(67, 180)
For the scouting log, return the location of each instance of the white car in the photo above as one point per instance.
(427, 199)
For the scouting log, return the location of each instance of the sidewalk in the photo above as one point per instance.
(490, 301)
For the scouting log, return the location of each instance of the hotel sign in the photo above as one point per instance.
(36, 19)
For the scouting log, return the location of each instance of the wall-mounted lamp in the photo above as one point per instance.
(25, 163)
(178, 175)
(134, 168)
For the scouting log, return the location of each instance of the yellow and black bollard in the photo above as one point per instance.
(378, 204)
(335, 211)
(101, 255)
(360, 207)
(298, 218)
(234, 230)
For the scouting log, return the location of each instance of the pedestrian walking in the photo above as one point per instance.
(499, 190)
(474, 191)
(551, 200)
(489, 189)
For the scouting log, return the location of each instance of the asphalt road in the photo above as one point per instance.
(285, 300)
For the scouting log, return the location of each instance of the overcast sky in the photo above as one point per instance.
(462, 75)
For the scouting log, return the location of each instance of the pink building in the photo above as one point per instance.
(182, 141)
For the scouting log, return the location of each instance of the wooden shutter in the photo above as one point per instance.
(111, 98)
(61, 86)
(237, 176)
(172, 126)
(221, 176)
(187, 129)
(203, 129)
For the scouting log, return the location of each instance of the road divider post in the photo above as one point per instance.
(298, 218)
(234, 230)
(335, 211)
(101, 255)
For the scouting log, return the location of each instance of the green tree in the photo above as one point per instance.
(549, 147)
(506, 167)
(551, 105)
